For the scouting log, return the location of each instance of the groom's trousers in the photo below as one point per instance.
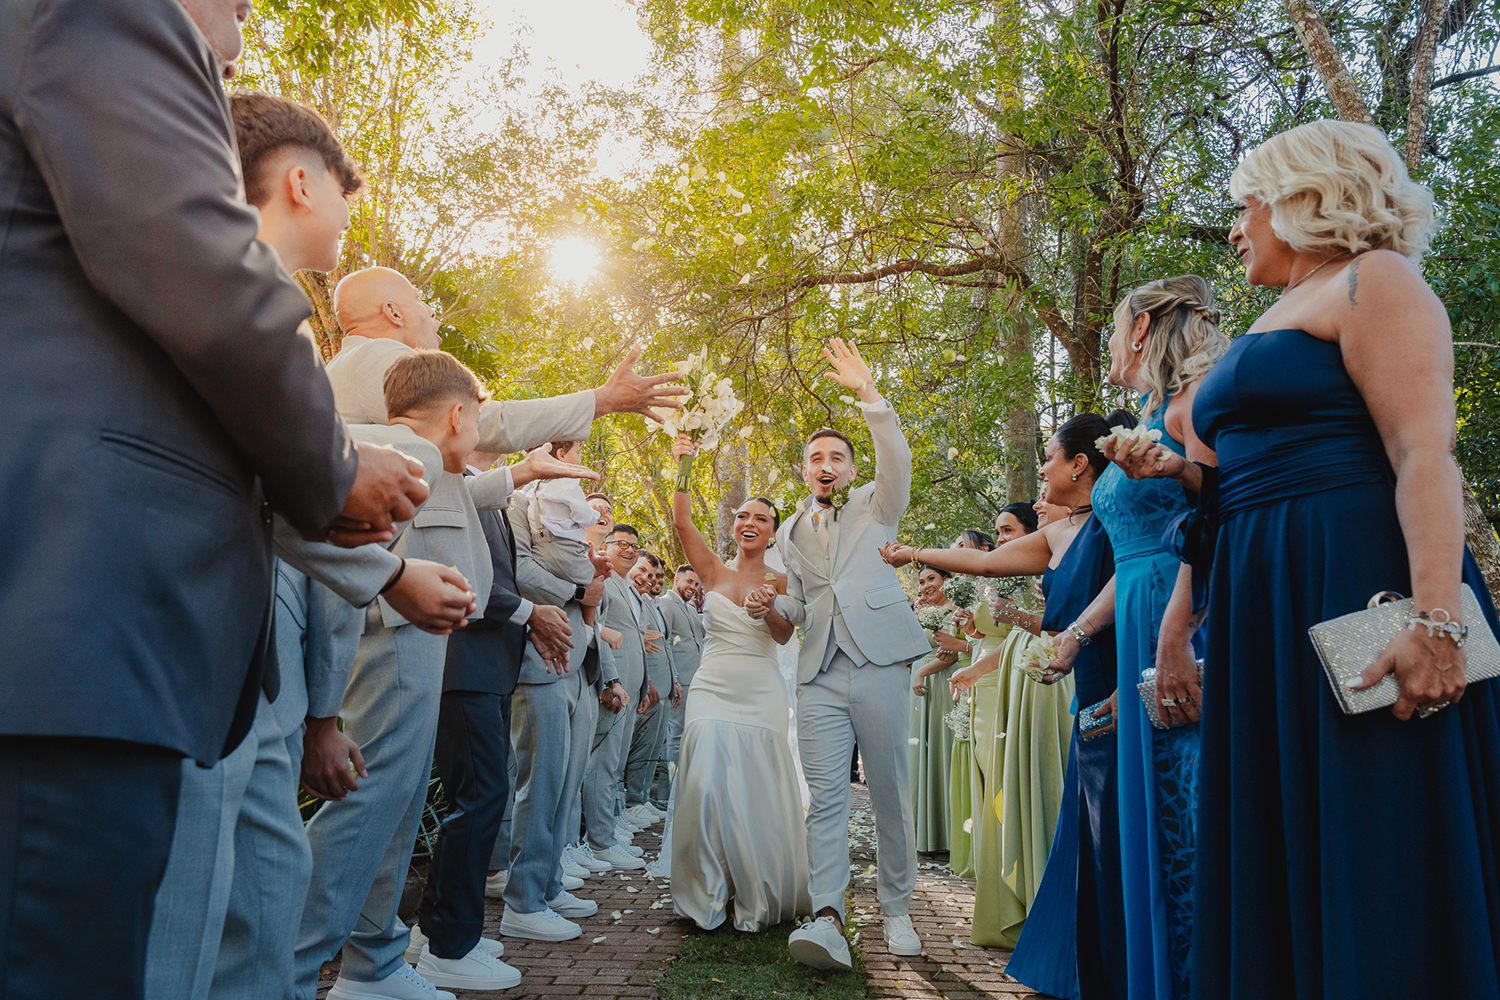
(840, 705)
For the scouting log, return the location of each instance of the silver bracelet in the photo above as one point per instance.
(1445, 627)
(1083, 638)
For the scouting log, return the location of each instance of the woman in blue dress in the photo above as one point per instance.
(1074, 939)
(1166, 337)
(1340, 857)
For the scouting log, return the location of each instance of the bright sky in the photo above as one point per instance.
(583, 39)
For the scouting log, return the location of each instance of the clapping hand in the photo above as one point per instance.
(896, 554)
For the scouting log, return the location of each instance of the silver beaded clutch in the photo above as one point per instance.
(1350, 643)
(1147, 689)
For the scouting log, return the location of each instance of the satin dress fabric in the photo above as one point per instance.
(1157, 767)
(930, 755)
(1073, 943)
(739, 839)
(1339, 857)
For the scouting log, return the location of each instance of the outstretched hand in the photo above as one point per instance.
(627, 392)
(849, 369)
(539, 464)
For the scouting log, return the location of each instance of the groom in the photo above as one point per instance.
(852, 674)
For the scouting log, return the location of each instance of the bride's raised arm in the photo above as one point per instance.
(705, 561)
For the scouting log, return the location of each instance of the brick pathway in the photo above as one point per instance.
(614, 958)
(624, 956)
(941, 907)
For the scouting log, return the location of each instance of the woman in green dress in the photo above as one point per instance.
(963, 591)
(1021, 732)
(931, 741)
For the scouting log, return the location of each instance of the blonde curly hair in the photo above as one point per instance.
(1184, 334)
(1337, 187)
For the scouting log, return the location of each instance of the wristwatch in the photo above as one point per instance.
(579, 591)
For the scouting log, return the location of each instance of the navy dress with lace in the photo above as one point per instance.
(1339, 857)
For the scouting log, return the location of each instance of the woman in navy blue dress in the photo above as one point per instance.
(1347, 857)
(1073, 943)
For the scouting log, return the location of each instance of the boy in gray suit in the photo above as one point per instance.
(852, 672)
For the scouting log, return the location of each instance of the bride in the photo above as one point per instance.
(738, 829)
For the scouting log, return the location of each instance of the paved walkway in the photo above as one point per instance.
(625, 948)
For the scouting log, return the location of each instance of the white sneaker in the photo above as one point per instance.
(820, 945)
(565, 904)
(643, 815)
(419, 941)
(624, 834)
(632, 850)
(403, 984)
(543, 926)
(630, 822)
(494, 885)
(571, 867)
(570, 883)
(901, 937)
(584, 855)
(619, 861)
(478, 970)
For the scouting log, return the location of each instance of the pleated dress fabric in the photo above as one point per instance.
(930, 757)
(1157, 767)
(739, 837)
(1074, 940)
(1339, 857)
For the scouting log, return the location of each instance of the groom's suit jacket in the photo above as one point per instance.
(851, 581)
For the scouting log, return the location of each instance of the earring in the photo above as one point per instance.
(1136, 346)
(1075, 477)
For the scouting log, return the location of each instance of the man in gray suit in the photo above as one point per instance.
(649, 742)
(679, 606)
(852, 669)
(604, 776)
(136, 290)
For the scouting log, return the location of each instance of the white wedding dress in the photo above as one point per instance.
(738, 834)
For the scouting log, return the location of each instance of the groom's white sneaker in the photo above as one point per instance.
(901, 937)
(821, 945)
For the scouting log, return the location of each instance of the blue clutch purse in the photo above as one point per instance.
(1090, 728)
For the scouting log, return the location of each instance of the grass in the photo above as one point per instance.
(727, 964)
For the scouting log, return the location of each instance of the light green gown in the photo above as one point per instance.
(930, 757)
(988, 751)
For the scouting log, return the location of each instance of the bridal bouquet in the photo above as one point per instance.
(709, 405)
(1039, 652)
(1127, 439)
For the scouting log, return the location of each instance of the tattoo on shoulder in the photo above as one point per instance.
(1353, 283)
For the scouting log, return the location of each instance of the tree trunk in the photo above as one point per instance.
(731, 461)
(1479, 533)
(1433, 12)
(1342, 88)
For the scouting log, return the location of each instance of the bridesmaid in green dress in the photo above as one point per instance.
(931, 741)
(959, 718)
(1018, 782)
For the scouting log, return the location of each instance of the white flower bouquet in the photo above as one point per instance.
(708, 407)
(934, 619)
(1040, 651)
(1127, 439)
(962, 590)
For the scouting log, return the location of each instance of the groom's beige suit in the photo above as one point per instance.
(852, 675)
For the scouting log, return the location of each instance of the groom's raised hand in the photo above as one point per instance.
(850, 370)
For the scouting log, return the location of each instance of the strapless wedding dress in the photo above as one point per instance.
(738, 826)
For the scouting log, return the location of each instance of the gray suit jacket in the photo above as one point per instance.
(619, 614)
(854, 582)
(685, 634)
(661, 668)
(150, 338)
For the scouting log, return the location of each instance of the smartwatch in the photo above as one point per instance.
(579, 591)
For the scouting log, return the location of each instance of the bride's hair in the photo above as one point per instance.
(775, 514)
